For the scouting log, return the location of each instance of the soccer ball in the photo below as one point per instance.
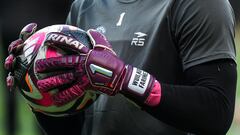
(35, 49)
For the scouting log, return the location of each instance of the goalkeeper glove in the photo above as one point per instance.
(97, 69)
(15, 50)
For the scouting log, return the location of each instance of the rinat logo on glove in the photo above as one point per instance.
(57, 37)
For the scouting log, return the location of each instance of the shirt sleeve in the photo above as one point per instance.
(203, 30)
(205, 104)
(73, 14)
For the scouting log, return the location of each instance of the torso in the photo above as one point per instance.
(139, 33)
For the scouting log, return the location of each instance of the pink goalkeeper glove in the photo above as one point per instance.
(96, 69)
(15, 49)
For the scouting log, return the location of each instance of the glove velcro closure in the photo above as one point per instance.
(137, 84)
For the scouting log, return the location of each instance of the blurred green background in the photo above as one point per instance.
(235, 128)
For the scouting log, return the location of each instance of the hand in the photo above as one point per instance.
(97, 69)
(15, 50)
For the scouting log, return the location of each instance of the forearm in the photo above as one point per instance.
(204, 104)
(202, 111)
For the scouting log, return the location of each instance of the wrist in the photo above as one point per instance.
(141, 86)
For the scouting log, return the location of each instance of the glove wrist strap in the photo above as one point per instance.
(137, 84)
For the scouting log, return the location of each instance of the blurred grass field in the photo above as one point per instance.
(235, 129)
(27, 125)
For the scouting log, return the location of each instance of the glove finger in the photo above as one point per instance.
(9, 62)
(50, 83)
(58, 63)
(27, 31)
(99, 40)
(65, 96)
(10, 81)
(65, 42)
(15, 46)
